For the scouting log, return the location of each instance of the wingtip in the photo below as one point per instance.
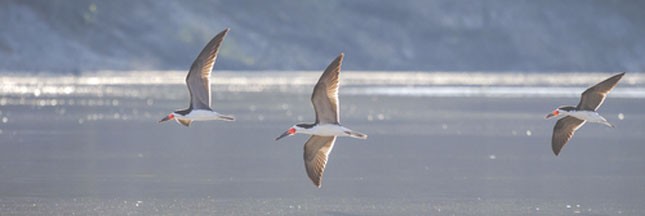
(340, 57)
(555, 149)
(620, 74)
(225, 31)
(317, 181)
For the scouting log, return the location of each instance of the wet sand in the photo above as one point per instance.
(424, 156)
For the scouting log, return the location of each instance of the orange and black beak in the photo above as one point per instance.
(289, 132)
(553, 114)
(169, 117)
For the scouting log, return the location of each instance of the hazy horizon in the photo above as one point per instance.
(411, 35)
(451, 93)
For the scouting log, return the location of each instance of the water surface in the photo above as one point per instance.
(440, 144)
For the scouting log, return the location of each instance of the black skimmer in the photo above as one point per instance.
(199, 87)
(575, 117)
(327, 126)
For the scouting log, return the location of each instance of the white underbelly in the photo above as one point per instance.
(588, 115)
(200, 115)
(328, 130)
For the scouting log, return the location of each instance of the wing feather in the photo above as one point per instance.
(316, 153)
(185, 122)
(594, 96)
(198, 79)
(563, 131)
(325, 95)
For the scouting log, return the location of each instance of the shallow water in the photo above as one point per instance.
(91, 145)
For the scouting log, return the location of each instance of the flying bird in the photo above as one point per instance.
(586, 111)
(199, 87)
(327, 126)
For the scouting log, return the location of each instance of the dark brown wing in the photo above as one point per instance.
(325, 95)
(593, 97)
(563, 131)
(198, 79)
(317, 150)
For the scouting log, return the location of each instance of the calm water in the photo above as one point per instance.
(440, 144)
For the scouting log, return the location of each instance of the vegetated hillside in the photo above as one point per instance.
(79, 35)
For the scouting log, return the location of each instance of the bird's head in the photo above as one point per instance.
(291, 131)
(560, 111)
(170, 116)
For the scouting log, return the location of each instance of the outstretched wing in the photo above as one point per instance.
(325, 95)
(317, 150)
(593, 97)
(563, 131)
(198, 79)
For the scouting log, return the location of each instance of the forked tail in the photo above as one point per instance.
(608, 124)
(357, 135)
(226, 118)
(605, 122)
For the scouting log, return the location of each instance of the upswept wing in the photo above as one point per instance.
(325, 95)
(594, 96)
(198, 79)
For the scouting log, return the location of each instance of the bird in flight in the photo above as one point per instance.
(199, 87)
(586, 111)
(327, 126)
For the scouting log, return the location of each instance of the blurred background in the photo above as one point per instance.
(452, 94)
(497, 35)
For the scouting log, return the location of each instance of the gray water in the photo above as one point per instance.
(91, 145)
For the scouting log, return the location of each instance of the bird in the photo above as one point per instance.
(586, 111)
(199, 87)
(327, 126)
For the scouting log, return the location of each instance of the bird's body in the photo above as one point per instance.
(330, 130)
(586, 111)
(327, 126)
(199, 87)
(203, 115)
(589, 116)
